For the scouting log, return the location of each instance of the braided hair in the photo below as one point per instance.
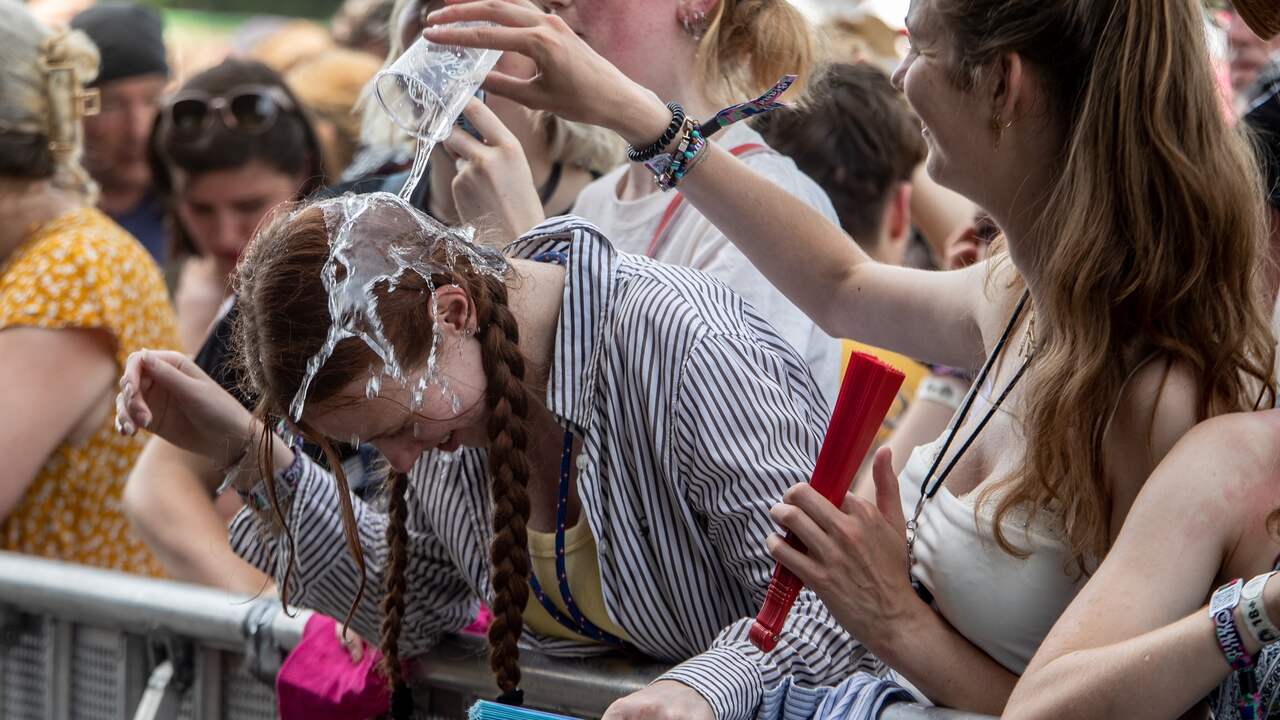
(283, 319)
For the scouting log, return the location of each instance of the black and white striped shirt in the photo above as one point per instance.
(694, 418)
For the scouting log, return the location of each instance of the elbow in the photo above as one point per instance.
(131, 502)
(1040, 701)
(839, 312)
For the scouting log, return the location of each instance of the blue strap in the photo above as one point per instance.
(577, 622)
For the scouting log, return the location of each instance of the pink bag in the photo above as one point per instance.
(318, 681)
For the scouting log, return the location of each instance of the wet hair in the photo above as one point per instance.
(1157, 229)
(283, 321)
(855, 136)
(289, 146)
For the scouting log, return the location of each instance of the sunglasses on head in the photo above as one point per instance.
(250, 109)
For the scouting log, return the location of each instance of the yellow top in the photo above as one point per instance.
(583, 568)
(81, 270)
(914, 371)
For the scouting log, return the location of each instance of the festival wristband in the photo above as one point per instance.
(1255, 614)
(1222, 611)
(939, 391)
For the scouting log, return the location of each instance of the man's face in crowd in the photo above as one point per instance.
(116, 138)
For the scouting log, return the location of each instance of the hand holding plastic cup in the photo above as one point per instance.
(425, 90)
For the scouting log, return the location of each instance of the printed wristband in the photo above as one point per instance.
(1222, 610)
(1259, 623)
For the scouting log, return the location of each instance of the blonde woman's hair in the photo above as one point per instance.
(749, 44)
(587, 147)
(1155, 234)
(42, 78)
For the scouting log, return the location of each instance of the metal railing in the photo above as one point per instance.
(79, 643)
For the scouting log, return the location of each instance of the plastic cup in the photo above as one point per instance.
(425, 90)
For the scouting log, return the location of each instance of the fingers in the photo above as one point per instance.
(805, 528)
(353, 643)
(888, 495)
(462, 146)
(517, 38)
(817, 507)
(520, 90)
(132, 411)
(508, 13)
(805, 567)
(489, 125)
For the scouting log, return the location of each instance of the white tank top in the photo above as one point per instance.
(1003, 604)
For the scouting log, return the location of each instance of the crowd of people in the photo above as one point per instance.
(567, 390)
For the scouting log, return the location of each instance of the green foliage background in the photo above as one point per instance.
(317, 9)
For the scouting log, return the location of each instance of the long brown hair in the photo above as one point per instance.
(1158, 230)
(283, 321)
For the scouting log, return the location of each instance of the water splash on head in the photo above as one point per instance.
(374, 240)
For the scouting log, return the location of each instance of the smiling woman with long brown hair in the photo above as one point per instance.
(1125, 308)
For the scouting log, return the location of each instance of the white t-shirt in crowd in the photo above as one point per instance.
(692, 241)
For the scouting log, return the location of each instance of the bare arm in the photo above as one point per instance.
(1136, 643)
(931, 315)
(169, 501)
(55, 383)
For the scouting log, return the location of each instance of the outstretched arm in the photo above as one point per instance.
(937, 316)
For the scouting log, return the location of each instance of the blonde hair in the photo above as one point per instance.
(42, 78)
(329, 85)
(749, 44)
(1157, 227)
(291, 44)
(587, 147)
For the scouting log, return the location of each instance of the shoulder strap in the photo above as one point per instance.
(659, 236)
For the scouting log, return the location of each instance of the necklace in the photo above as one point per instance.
(928, 490)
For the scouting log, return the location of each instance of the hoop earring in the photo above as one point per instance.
(999, 126)
(694, 23)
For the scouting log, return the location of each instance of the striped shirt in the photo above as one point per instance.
(694, 418)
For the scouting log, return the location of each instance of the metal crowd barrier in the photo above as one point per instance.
(79, 643)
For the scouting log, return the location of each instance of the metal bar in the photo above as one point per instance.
(134, 604)
(58, 701)
(62, 594)
(565, 685)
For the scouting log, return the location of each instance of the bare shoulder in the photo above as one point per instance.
(1156, 408)
(996, 289)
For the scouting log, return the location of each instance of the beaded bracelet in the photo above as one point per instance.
(669, 169)
(655, 149)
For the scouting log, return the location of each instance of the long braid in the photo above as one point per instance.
(508, 401)
(393, 602)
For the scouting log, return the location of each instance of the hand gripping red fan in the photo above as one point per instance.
(866, 394)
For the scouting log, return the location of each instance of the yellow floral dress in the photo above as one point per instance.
(81, 270)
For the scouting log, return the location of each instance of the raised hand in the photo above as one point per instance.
(572, 81)
(493, 182)
(167, 394)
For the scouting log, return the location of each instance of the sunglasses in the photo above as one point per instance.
(250, 109)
